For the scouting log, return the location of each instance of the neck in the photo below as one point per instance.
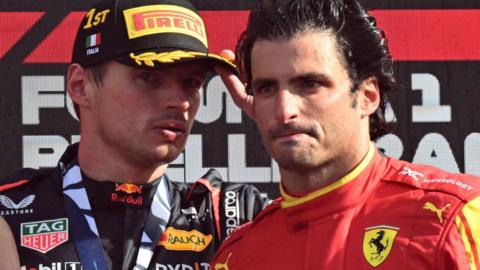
(299, 183)
(105, 164)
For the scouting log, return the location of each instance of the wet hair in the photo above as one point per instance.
(361, 44)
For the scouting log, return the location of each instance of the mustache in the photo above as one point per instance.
(170, 116)
(283, 129)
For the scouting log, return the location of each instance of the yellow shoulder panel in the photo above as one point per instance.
(468, 224)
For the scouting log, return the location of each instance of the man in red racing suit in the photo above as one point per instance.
(385, 214)
(317, 78)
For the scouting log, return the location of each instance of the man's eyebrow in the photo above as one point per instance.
(263, 81)
(309, 76)
(297, 78)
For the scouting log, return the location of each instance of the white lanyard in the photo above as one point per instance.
(87, 240)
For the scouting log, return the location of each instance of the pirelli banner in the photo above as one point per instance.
(435, 43)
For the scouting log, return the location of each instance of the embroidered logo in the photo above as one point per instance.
(128, 188)
(449, 181)
(439, 211)
(95, 18)
(377, 243)
(44, 235)
(53, 266)
(16, 208)
(411, 173)
(223, 266)
(173, 239)
(133, 194)
(155, 19)
(93, 40)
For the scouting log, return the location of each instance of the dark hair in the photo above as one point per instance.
(362, 45)
(96, 72)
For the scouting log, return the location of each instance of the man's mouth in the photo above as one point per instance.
(288, 131)
(171, 130)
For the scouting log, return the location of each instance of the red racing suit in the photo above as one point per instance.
(385, 214)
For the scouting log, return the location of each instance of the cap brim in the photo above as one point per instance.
(158, 60)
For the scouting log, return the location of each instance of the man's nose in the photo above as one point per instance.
(177, 96)
(286, 107)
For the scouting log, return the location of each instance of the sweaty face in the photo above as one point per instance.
(303, 105)
(145, 116)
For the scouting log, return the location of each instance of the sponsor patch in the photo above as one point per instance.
(449, 181)
(127, 193)
(223, 266)
(183, 266)
(173, 239)
(44, 235)
(13, 208)
(377, 243)
(438, 211)
(155, 19)
(53, 266)
(232, 220)
(413, 174)
(129, 188)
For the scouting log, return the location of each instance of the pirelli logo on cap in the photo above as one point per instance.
(155, 19)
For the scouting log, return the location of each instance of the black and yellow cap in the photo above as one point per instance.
(147, 34)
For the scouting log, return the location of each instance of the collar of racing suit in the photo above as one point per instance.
(339, 196)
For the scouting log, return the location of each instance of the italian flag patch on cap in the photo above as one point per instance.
(93, 40)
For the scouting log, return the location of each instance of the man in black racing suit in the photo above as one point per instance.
(135, 79)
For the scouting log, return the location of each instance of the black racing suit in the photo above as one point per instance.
(201, 216)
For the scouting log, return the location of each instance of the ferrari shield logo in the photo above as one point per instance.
(377, 243)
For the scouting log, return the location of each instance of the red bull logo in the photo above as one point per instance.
(133, 194)
(129, 188)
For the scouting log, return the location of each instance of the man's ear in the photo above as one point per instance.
(369, 96)
(76, 83)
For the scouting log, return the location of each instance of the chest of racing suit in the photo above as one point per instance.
(385, 214)
(201, 216)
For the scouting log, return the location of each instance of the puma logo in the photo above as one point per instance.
(430, 206)
(223, 266)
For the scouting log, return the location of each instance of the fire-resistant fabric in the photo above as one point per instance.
(201, 216)
(385, 214)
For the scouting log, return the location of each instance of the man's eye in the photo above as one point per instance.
(311, 84)
(263, 90)
(149, 77)
(195, 83)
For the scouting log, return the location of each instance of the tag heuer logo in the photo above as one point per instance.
(44, 235)
(377, 243)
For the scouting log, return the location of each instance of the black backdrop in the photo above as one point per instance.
(435, 44)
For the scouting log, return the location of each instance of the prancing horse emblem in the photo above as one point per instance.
(377, 243)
